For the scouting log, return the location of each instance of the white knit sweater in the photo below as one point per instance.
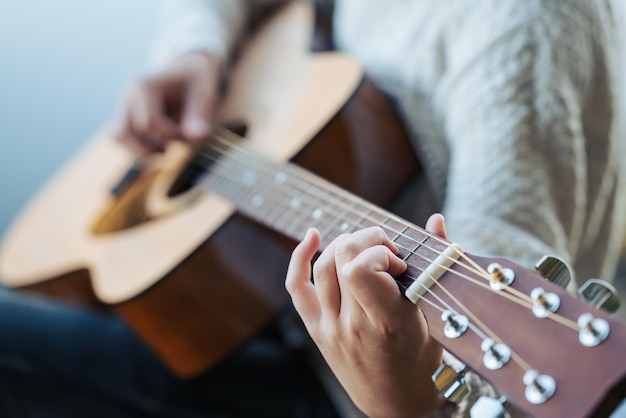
(513, 107)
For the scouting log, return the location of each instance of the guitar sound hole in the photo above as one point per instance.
(198, 165)
(188, 177)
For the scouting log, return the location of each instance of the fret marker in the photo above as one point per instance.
(248, 178)
(295, 202)
(433, 272)
(344, 226)
(317, 213)
(257, 200)
(280, 177)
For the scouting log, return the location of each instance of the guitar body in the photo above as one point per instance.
(192, 276)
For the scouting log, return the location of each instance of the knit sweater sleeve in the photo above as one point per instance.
(205, 25)
(514, 112)
(527, 121)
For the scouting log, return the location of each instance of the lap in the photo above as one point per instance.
(69, 361)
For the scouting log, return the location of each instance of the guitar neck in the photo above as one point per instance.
(290, 200)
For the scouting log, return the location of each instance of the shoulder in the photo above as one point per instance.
(496, 37)
(481, 24)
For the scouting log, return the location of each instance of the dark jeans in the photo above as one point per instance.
(59, 361)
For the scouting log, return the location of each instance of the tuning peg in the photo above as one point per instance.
(539, 387)
(554, 270)
(456, 325)
(486, 407)
(600, 294)
(450, 383)
(544, 302)
(496, 354)
(592, 330)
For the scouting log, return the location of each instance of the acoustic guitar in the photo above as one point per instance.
(190, 272)
(192, 249)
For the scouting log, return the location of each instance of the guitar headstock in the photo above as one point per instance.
(497, 318)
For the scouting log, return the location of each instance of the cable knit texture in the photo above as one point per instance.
(513, 107)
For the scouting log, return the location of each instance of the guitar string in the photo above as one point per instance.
(230, 139)
(307, 194)
(418, 254)
(228, 177)
(516, 358)
(489, 333)
(520, 296)
(402, 222)
(230, 145)
(479, 271)
(234, 169)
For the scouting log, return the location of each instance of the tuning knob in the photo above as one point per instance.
(600, 294)
(450, 383)
(486, 407)
(554, 270)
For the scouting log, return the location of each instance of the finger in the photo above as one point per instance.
(148, 121)
(124, 134)
(326, 281)
(199, 110)
(298, 281)
(369, 278)
(351, 247)
(355, 243)
(436, 225)
(127, 132)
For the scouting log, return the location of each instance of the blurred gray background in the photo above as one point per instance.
(64, 66)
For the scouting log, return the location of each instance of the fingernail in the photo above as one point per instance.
(196, 128)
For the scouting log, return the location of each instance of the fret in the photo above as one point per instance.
(388, 223)
(395, 230)
(286, 222)
(250, 177)
(275, 195)
(338, 224)
(302, 221)
(289, 210)
(355, 218)
(416, 247)
(396, 235)
(223, 178)
(423, 251)
(375, 218)
(364, 220)
(330, 214)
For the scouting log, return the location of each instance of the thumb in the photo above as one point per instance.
(436, 225)
(198, 112)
